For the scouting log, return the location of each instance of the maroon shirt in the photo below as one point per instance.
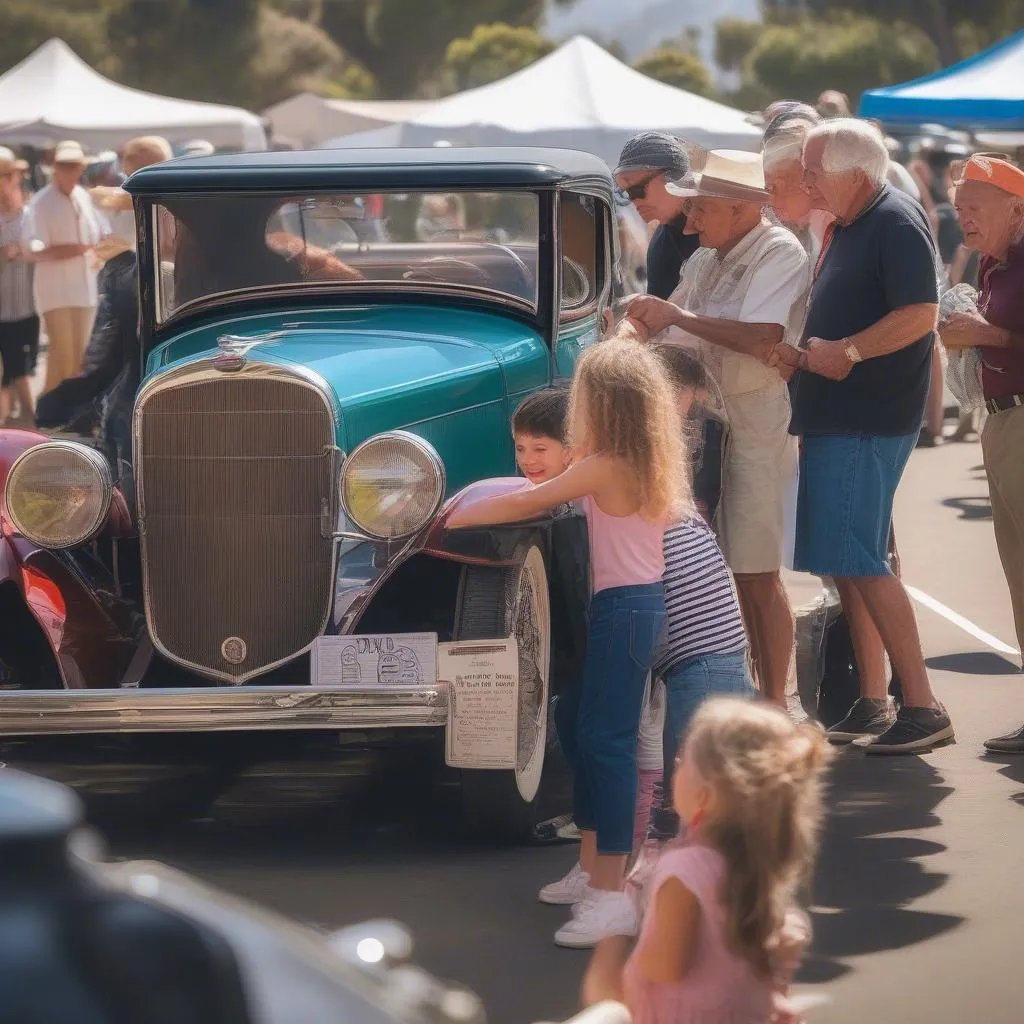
(1001, 302)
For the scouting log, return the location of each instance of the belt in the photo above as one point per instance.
(995, 405)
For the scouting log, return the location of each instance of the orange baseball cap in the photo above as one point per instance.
(992, 171)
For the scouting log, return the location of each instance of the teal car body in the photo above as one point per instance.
(332, 350)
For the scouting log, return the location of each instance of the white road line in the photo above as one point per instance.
(958, 620)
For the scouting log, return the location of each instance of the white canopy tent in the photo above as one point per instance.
(579, 97)
(309, 119)
(53, 94)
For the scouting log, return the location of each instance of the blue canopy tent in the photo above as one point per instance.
(984, 91)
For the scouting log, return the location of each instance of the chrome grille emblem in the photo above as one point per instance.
(233, 650)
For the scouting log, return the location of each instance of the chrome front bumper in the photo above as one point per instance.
(223, 709)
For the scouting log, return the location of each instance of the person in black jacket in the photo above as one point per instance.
(646, 161)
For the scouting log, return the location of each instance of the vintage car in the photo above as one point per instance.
(314, 400)
(85, 939)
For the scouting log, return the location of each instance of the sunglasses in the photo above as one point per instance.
(639, 190)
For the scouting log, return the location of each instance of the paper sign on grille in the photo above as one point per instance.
(483, 702)
(378, 659)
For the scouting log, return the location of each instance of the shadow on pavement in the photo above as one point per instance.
(867, 878)
(970, 508)
(1013, 769)
(974, 663)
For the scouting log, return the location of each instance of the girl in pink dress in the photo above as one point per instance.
(721, 936)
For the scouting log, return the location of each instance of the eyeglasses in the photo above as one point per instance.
(639, 190)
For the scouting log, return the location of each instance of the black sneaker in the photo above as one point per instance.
(1012, 743)
(916, 731)
(867, 717)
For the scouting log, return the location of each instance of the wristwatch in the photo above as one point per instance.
(851, 352)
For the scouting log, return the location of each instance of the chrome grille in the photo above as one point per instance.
(232, 473)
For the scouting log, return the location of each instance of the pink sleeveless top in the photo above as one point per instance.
(720, 987)
(625, 551)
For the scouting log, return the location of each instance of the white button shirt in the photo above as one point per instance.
(58, 219)
(763, 279)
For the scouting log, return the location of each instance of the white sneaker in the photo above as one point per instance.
(601, 914)
(568, 890)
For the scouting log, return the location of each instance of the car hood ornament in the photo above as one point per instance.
(234, 348)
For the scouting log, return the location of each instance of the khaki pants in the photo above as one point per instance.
(1002, 441)
(68, 332)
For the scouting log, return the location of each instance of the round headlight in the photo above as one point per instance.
(58, 494)
(392, 484)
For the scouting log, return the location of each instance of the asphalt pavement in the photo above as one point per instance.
(916, 902)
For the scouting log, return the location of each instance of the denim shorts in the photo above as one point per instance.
(690, 682)
(598, 721)
(844, 511)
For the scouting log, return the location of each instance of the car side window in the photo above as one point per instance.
(579, 227)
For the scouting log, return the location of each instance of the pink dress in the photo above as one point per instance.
(720, 987)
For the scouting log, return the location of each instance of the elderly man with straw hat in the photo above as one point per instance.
(62, 229)
(988, 195)
(740, 296)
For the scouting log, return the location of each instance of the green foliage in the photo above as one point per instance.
(938, 19)
(26, 24)
(734, 39)
(850, 54)
(492, 52)
(674, 66)
(403, 43)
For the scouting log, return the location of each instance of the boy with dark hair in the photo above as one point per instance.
(538, 429)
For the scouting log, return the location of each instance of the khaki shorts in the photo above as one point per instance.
(760, 464)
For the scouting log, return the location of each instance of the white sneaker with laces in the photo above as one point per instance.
(568, 890)
(601, 914)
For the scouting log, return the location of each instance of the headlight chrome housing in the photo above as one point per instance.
(58, 494)
(392, 485)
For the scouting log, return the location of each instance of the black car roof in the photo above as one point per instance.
(371, 170)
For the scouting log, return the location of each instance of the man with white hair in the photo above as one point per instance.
(737, 299)
(989, 200)
(858, 398)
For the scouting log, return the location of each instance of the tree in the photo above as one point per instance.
(493, 52)
(677, 67)
(734, 39)
(26, 24)
(292, 56)
(196, 49)
(938, 19)
(850, 54)
(403, 43)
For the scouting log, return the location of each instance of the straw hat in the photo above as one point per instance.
(727, 174)
(9, 162)
(69, 153)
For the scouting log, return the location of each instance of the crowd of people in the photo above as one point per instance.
(67, 264)
(805, 282)
(801, 285)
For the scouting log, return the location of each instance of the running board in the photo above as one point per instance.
(220, 709)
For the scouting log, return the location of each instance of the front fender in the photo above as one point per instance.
(482, 545)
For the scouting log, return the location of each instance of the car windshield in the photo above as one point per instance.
(213, 246)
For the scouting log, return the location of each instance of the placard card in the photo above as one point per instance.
(483, 702)
(377, 659)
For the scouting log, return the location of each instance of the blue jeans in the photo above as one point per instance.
(690, 683)
(598, 721)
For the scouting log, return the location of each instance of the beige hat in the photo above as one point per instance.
(9, 162)
(727, 174)
(69, 153)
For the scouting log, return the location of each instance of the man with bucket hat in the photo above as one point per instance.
(647, 162)
(739, 297)
(988, 194)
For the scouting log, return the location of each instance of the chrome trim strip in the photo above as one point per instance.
(220, 709)
(182, 377)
